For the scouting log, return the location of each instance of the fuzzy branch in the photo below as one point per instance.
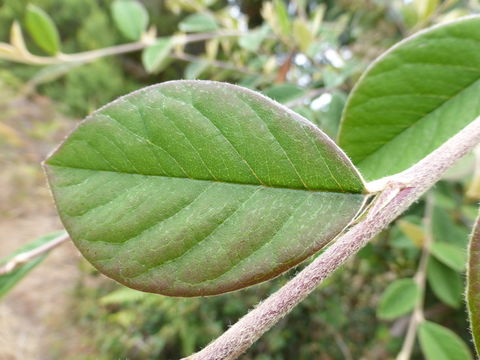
(396, 194)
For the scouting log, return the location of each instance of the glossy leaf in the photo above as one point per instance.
(447, 284)
(451, 255)
(198, 23)
(398, 299)
(42, 29)
(195, 188)
(155, 57)
(9, 280)
(17, 41)
(439, 343)
(130, 17)
(413, 98)
(473, 284)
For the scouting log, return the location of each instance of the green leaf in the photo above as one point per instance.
(444, 227)
(398, 299)
(130, 17)
(254, 38)
(473, 284)
(282, 17)
(194, 69)
(155, 57)
(122, 296)
(425, 8)
(284, 93)
(409, 14)
(331, 116)
(193, 188)
(413, 231)
(198, 23)
(42, 29)
(9, 280)
(302, 34)
(452, 256)
(413, 98)
(446, 283)
(439, 343)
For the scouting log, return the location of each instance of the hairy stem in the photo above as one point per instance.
(25, 257)
(397, 195)
(421, 279)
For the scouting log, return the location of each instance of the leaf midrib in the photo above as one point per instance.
(458, 93)
(46, 164)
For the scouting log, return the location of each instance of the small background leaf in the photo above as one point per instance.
(198, 23)
(451, 255)
(330, 119)
(302, 34)
(447, 284)
(253, 39)
(122, 296)
(42, 29)
(398, 299)
(194, 69)
(439, 343)
(282, 17)
(284, 93)
(413, 231)
(8, 281)
(444, 228)
(473, 285)
(17, 42)
(155, 57)
(130, 17)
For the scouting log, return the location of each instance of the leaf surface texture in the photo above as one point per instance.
(196, 188)
(413, 98)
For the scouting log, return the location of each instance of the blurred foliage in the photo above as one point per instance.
(310, 43)
(306, 54)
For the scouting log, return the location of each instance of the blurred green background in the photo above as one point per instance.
(306, 54)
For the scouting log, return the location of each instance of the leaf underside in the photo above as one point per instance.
(413, 98)
(473, 284)
(194, 188)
